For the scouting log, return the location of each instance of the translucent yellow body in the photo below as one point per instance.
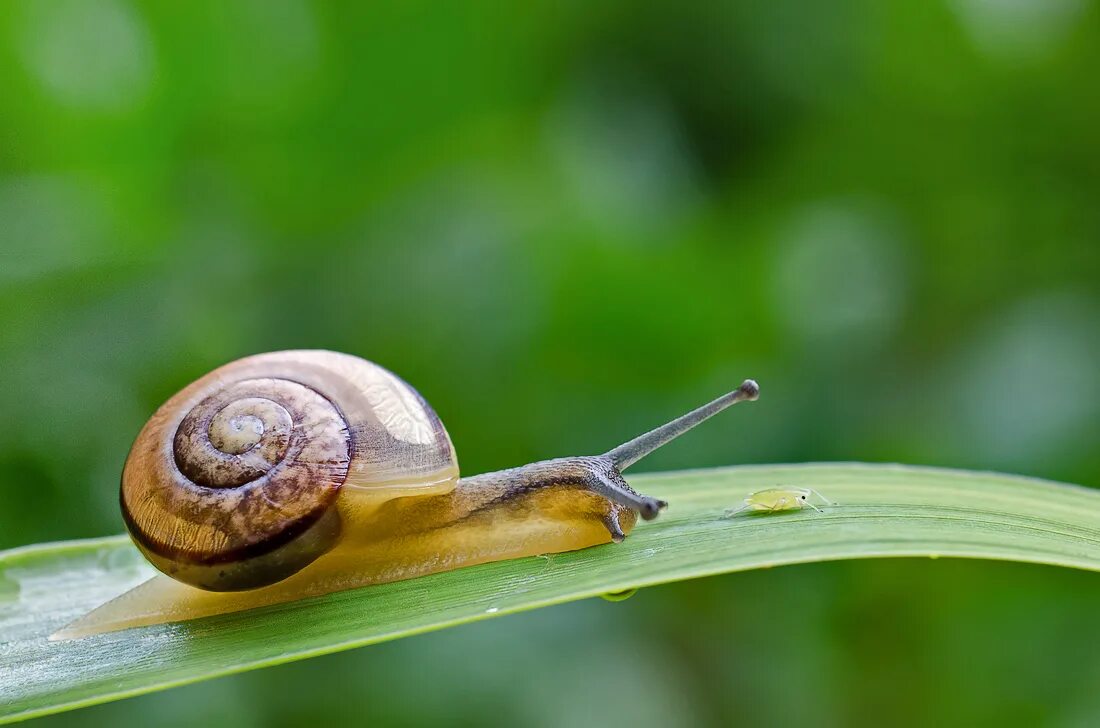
(402, 510)
(291, 475)
(373, 552)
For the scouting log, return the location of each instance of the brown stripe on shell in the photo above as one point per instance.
(244, 466)
(210, 506)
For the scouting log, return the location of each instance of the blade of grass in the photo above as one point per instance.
(883, 510)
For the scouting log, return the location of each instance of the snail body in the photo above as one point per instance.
(294, 474)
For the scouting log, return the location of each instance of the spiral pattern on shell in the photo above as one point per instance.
(247, 430)
(233, 483)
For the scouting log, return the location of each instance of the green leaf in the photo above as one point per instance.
(882, 510)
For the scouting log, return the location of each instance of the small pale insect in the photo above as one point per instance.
(780, 499)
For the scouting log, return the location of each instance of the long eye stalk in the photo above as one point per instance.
(631, 452)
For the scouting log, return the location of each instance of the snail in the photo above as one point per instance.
(293, 474)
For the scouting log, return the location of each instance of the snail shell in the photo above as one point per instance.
(253, 471)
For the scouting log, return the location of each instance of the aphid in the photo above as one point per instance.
(779, 499)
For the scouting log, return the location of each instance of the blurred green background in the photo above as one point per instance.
(565, 224)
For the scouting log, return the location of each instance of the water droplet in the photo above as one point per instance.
(618, 596)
